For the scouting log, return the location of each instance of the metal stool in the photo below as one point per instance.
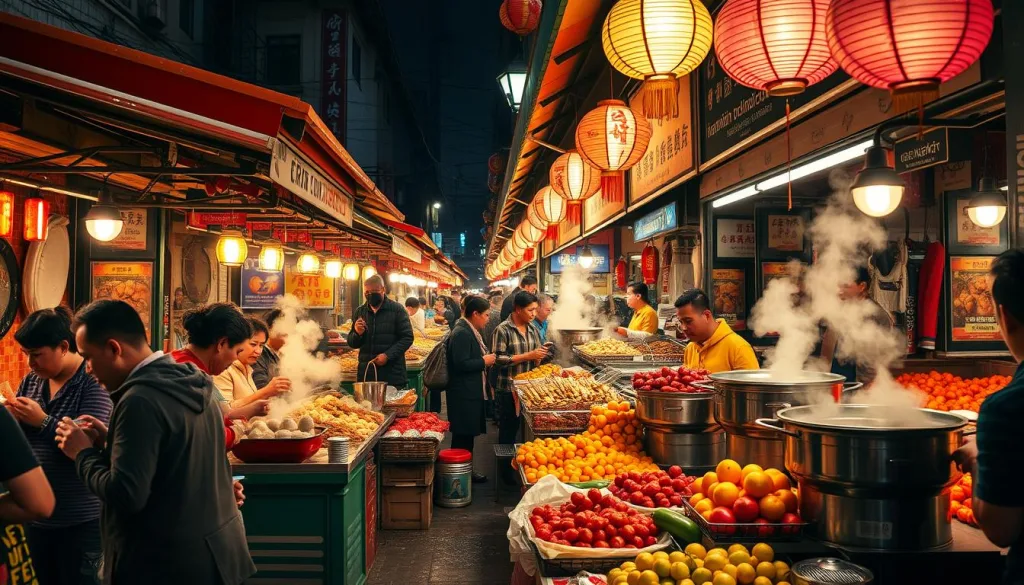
(501, 452)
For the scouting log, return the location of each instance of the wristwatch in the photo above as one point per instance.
(46, 421)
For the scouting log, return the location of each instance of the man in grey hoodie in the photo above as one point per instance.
(170, 514)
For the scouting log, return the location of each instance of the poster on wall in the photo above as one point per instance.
(131, 282)
(775, 270)
(133, 232)
(260, 289)
(969, 233)
(728, 289)
(786, 233)
(973, 311)
(734, 238)
(315, 291)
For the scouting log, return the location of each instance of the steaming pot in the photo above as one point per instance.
(867, 482)
(572, 337)
(680, 429)
(743, 396)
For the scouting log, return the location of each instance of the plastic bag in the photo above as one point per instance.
(582, 578)
(548, 490)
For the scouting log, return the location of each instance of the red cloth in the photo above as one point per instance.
(185, 356)
(929, 290)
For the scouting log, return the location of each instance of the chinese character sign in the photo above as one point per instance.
(670, 154)
(313, 290)
(334, 72)
(735, 238)
(133, 230)
(786, 233)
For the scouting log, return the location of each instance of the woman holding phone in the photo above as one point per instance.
(468, 360)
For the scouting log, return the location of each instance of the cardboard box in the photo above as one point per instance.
(407, 474)
(407, 507)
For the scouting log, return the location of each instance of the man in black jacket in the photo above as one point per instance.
(170, 513)
(382, 333)
(529, 284)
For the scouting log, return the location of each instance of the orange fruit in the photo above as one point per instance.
(748, 469)
(695, 487)
(729, 470)
(696, 498)
(758, 484)
(789, 499)
(778, 478)
(725, 494)
(772, 508)
(709, 478)
(705, 505)
(711, 491)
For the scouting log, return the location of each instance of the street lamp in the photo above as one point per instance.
(513, 84)
(437, 205)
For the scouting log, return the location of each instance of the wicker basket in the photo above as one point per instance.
(400, 410)
(408, 450)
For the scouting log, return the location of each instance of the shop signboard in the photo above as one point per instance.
(972, 311)
(729, 295)
(260, 289)
(786, 233)
(131, 282)
(219, 219)
(734, 238)
(732, 113)
(334, 72)
(133, 232)
(565, 258)
(952, 176)
(969, 233)
(406, 250)
(597, 211)
(315, 291)
(292, 171)
(930, 149)
(656, 222)
(670, 154)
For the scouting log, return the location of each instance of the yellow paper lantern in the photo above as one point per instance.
(369, 271)
(271, 257)
(613, 138)
(550, 207)
(332, 268)
(523, 243)
(351, 272)
(307, 264)
(657, 41)
(232, 249)
(575, 180)
(531, 232)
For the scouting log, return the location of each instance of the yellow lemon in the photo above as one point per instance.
(644, 562)
(698, 563)
(615, 573)
(723, 579)
(668, 581)
(782, 583)
(745, 574)
(763, 552)
(680, 571)
(737, 547)
(716, 562)
(762, 581)
(719, 550)
(685, 582)
(781, 570)
(696, 549)
(622, 579)
(739, 557)
(730, 569)
(663, 567)
(628, 566)
(649, 578)
(701, 576)
(766, 569)
(633, 578)
(660, 555)
(677, 556)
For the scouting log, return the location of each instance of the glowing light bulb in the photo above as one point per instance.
(987, 216)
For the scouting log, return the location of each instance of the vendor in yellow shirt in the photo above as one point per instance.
(645, 318)
(713, 346)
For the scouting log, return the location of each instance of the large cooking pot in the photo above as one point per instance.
(578, 336)
(695, 451)
(675, 410)
(869, 451)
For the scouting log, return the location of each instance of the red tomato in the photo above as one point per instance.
(621, 507)
(628, 531)
(576, 498)
(676, 500)
(648, 503)
(601, 544)
(544, 534)
(611, 530)
(675, 471)
(650, 541)
(566, 524)
(594, 495)
(638, 542)
(586, 536)
(642, 530)
(600, 534)
(722, 515)
(745, 509)
(572, 535)
(617, 542)
(679, 484)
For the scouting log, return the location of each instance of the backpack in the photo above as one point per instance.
(435, 367)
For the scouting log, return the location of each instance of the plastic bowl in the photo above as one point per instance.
(279, 450)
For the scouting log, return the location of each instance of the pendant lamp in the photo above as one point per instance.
(333, 268)
(613, 138)
(575, 180)
(271, 258)
(351, 272)
(908, 47)
(657, 41)
(308, 263)
(232, 249)
(551, 208)
(103, 221)
(987, 206)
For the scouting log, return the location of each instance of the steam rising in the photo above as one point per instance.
(843, 239)
(299, 362)
(572, 310)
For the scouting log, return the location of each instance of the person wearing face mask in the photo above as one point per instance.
(645, 318)
(236, 383)
(713, 346)
(382, 333)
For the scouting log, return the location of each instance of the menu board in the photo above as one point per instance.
(786, 233)
(131, 282)
(973, 312)
(728, 290)
(315, 291)
(734, 238)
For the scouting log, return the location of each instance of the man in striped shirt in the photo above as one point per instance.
(66, 546)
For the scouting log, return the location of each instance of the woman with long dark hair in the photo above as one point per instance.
(468, 360)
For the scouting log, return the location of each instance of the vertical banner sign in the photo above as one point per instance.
(1012, 15)
(335, 73)
(974, 313)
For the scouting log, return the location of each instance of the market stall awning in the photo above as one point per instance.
(404, 227)
(176, 93)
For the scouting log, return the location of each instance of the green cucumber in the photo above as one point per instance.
(677, 525)
(586, 485)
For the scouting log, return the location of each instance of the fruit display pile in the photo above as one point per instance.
(653, 489)
(610, 446)
(960, 506)
(948, 392)
(718, 566)
(667, 379)
(733, 495)
(418, 424)
(593, 520)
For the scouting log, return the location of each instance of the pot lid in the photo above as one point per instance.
(769, 378)
(582, 330)
(827, 570)
(871, 417)
(46, 267)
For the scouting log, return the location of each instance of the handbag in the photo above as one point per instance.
(435, 367)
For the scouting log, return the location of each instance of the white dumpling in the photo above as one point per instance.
(289, 424)
(283, 434)
(259, 426)
(273, 424)
(306, 423)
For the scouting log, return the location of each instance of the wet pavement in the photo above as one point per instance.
(464, 546)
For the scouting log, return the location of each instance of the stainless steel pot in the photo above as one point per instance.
(763, 451)
(578, 336)
(675, 409)
(696, 452)
(857, 450)
(829, 571)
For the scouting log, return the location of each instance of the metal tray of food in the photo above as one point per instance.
(557, 422)
(564, 393)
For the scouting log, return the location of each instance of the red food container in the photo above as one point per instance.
(279, 450)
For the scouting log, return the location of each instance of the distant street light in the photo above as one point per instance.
(513, 84)
(437, 205)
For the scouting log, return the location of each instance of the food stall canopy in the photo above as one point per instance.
(143, 85)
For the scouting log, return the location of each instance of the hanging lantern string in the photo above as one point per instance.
(789, 159)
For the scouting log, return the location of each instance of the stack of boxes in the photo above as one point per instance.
(408, 495)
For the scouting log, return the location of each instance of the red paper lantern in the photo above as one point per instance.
(778, 46)
(520, 16)
(6, 214)
(620, 274)
(493, 183)
(649, 264)
(908, 46)
(496, 163)
(37, 214)
(613, 138)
